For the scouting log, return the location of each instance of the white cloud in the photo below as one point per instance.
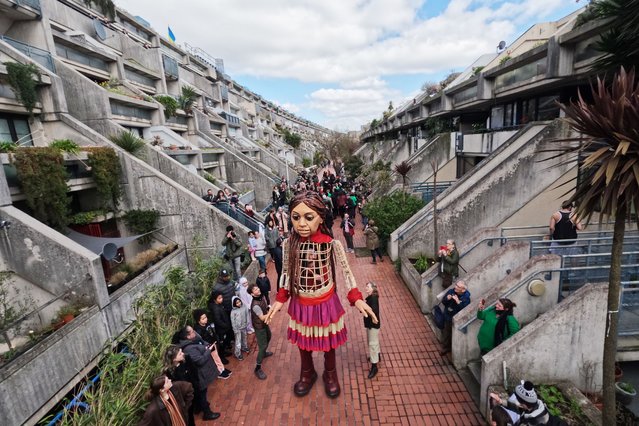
(351, 43)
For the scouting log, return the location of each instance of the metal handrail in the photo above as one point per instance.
(529, 277)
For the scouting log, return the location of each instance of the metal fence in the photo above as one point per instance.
(428, 189)
(629, 309)
(40, 56)
(237, 214)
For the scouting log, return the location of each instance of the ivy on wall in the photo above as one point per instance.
(20, 78)
(141, 222)
(43, 181)
(107, 173)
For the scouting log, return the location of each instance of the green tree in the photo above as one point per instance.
(390, 211)
(610, 146)
(293, 139)
(353, 166)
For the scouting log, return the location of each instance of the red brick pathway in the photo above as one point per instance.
(414, 386)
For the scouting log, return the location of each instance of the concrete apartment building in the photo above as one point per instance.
(496, 191)
(100, 73)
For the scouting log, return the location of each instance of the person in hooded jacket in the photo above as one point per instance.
(227, 288)
(198, 355)
(207, 332)
(239, 322)
(222, 321)
(264, 284)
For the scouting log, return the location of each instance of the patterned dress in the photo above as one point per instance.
(317, 315)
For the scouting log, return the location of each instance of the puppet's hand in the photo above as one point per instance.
(271, 313)
(366, 310)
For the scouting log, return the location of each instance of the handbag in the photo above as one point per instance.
(438, 317)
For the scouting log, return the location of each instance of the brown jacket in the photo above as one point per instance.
(372, 239)
(156, 413)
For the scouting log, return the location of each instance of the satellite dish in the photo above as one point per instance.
(109, 251)
(100, 31)
(501, 46)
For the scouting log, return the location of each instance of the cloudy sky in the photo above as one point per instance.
(339, 62)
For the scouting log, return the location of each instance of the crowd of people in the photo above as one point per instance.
(237, 309)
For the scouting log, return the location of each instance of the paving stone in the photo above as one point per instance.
(414, 386)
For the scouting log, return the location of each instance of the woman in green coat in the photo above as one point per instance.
(499, 324)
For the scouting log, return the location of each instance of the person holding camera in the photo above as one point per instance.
(233, 251)
(455, 299)
(449, 258)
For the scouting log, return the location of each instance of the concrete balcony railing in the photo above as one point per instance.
(485, 142)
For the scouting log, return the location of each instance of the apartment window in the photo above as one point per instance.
(128, 111)
(80, 57)
(548, 108)
(15, 128)
(139, 78)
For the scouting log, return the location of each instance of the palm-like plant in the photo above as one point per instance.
(403, 169)
(610, 145)
(128, 141)
(187, 98)
(619, 43)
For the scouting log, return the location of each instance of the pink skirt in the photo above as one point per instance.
(317, 327)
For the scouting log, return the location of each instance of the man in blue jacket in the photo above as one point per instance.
(455, 299)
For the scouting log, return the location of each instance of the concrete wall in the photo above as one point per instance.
(49, 259)
(32, 379)
(426, 286)
(439, 149)
(37, 379)
(482, 278)
(241, 171)
(557, 346)
(489, 194)
(538, 210)
(465, 347)
(183, 214)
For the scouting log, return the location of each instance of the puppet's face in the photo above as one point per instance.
(305, 220)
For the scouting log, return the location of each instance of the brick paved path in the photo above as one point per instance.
(414, 386)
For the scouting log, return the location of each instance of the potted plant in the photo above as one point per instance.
(626, 392)
(67, 313)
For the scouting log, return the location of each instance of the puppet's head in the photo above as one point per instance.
(308, 213)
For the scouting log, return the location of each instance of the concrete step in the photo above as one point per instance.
(474, 367)
(471, 383)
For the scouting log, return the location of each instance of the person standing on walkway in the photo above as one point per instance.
(233, 250)
(239, 322)
(271, 234)
(372, 329)
(372, 240)
(169, 403)
(198, 355)
(260, 249)
(264, 284)
(348, 230)
(311, 256)
(259, 313)
(563, 229)
(449, 260)
(455, 299)
(499, 324)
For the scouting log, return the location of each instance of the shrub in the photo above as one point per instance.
(118, 399)
(390, 211)
(65, 145)
(306, 162)
(187, 98)
(117, 278)
(43, 180)
(128, 141)
(423, 263)
(170, 105)
(106, 172)
(353, 166)
(141, 222)
(21, 80)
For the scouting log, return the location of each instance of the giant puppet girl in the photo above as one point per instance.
(308, 279)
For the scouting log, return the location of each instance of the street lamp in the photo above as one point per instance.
(286, 151)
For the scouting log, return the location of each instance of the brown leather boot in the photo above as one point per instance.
(306, 382)
(331, 383)
(307, 375)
